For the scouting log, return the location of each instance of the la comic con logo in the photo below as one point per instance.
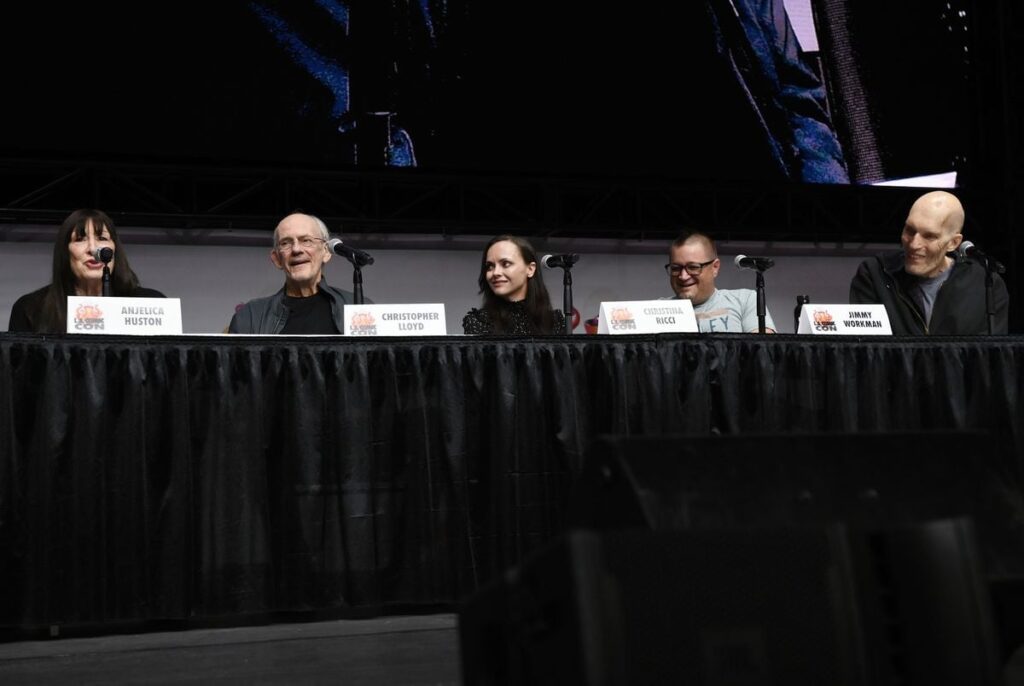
(823, 321)
(363, 324)
(622, 319)
(88, 317)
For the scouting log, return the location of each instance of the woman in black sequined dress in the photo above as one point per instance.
(516, 302)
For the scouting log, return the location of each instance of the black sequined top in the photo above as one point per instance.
(478, 322)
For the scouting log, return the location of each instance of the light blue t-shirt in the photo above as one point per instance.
(730, 311)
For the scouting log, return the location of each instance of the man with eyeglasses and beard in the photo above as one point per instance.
(692, 269)
(306, 304)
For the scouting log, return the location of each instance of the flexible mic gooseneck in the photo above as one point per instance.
(356, 256)
(757, 263)
(970, 250)
(564, 261)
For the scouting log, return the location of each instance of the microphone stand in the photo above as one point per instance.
(761, 265)
(991, 266)
(970, 251)
(358, 260)
(108, 288)
(761, 309)
(357, 284)
(567, 298)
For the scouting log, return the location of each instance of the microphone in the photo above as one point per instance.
(968, 249)
(353, 255)
(564, 261)
(760, 264)
(103, 255)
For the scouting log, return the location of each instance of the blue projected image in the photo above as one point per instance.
(708, 90)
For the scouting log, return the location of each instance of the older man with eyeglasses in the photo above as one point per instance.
(306, 304)
(692, 269)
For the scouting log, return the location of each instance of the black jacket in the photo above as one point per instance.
(959, 309)
(270, 314)
(26, 312)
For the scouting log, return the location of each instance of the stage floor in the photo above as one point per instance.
(382, 651)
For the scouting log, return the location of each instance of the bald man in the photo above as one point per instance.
(306, 304)
(927, 288)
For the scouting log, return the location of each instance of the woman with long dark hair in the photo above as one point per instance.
(515, 299)
(76, 271)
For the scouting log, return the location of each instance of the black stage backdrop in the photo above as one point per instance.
(200, 477)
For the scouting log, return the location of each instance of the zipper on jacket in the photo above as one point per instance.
(913, 308)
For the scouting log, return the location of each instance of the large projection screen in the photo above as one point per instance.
(818, 91)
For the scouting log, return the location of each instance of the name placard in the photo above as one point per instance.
(647, 316)
(844, 320)
(124, 316)
(395, 320)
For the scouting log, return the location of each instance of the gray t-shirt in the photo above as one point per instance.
(730, 311)
(925, 291)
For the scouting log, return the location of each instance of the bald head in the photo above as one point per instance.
(931, 232)
(941, 209)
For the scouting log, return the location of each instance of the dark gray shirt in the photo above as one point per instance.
(925, 290)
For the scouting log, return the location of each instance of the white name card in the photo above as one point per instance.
(844, 320)
(124, 316)
(647, 316)
(395, 320)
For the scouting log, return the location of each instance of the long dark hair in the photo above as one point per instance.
(537, 301)
(53, 317)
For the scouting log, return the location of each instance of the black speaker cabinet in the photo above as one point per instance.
(785, 480)
(808, 605)
(776, 559)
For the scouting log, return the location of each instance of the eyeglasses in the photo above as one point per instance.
(304, 242)
(692, 268)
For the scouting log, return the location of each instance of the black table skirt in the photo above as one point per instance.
(186, 477)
